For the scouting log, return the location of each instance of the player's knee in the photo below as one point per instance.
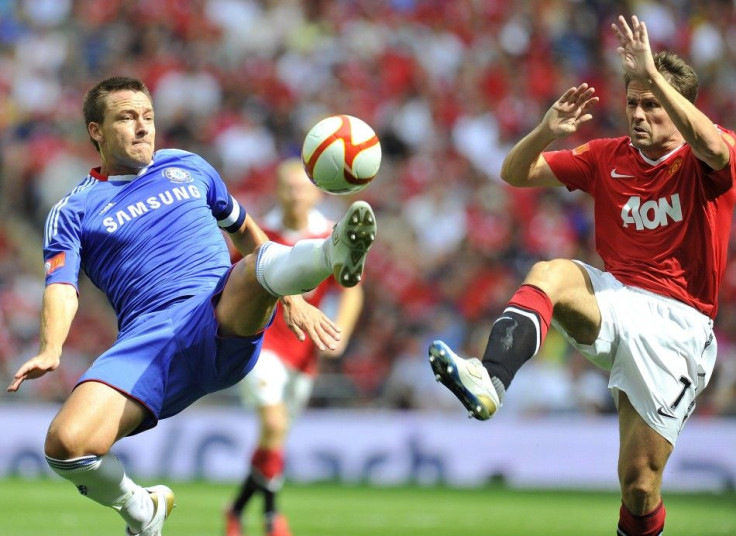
(275, 428)
(70, 441)
(638, 497)
(548, 275)
(638, 491)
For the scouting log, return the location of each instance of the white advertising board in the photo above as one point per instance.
(388, 448)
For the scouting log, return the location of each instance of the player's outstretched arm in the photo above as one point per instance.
(248, 237)
(525, 165)
(637, 62)
(349, 308)
(60, 304)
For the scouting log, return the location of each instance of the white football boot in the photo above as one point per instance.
(351, 239)
(468, 380)
(163, 503)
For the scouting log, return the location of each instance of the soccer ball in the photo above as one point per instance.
(341, 154)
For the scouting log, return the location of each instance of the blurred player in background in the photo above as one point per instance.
(664, 198)
(281, 382)
(145, 227)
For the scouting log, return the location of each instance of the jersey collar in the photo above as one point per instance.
(660, 159)
(95, 173)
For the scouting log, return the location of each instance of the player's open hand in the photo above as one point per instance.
(570, 111)
(34, 368)
(635, 52)
(306, 320)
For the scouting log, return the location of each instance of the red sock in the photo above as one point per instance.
(518, 334)
(270, 463)
(534, 300)
(651, 524)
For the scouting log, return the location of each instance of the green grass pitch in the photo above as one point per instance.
(51, 507)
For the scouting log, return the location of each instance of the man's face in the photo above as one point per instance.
(296, 192)
(651, 129)
(127, 134)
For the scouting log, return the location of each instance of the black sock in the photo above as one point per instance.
(269, 502)
(248, 489)
(512, 342)
(270, 517)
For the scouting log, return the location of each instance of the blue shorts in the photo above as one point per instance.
(168, 359)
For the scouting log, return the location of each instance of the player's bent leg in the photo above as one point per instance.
(263, 390)
(244, 307)
(84, 425)
(568, 286)
(467, 379)
(643, 454)
(558, 287)
(103, 479)
(77, 446)
(267, 465)
(284, 270)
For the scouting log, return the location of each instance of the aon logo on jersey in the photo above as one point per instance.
(651, 214)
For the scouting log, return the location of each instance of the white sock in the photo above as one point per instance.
(285, 271)
(103, 479)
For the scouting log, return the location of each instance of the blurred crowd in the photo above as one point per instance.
(449, 85)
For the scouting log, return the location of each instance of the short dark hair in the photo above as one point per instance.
(94, 104)
(677, 72)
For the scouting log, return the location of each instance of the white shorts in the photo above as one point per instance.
(660, 351)
(272, 382)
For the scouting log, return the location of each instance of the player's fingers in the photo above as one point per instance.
(624, 27)
(585, 95)
(17, 379)
(296, 330)
(584, 118)
(582, 88)
(333, 333)
(567, 95)
(15, 384)
(318, 335)
(321, 339)
(635, 26)
(330, 327)
(581, 94)
(616, 31)
(589, 103)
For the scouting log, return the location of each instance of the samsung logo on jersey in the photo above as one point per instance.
(121, 217)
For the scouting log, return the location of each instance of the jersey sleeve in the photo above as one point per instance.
(62, 242)
(228, 212)
(574, 168)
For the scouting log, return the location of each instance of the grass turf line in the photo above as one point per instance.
(52, 507)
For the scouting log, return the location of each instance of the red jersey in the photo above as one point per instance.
(662, 225)
(300, 355)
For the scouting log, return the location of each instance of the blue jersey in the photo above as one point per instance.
(146, 240)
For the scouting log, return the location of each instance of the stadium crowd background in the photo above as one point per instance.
(449, 85)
